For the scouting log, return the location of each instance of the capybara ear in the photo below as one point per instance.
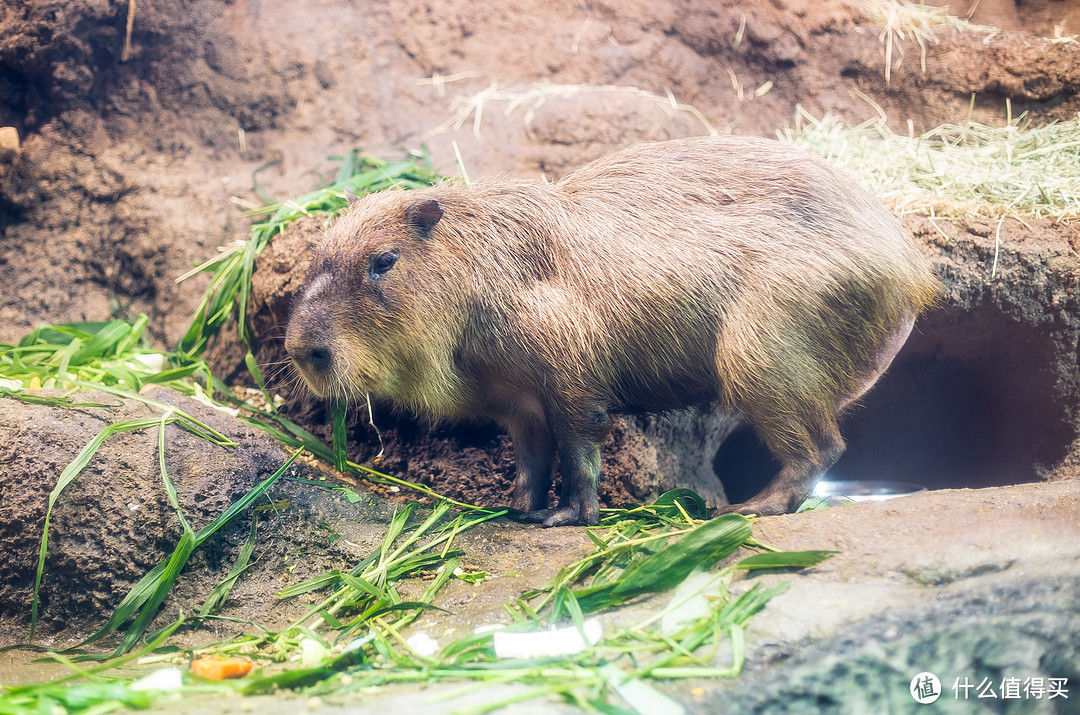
(350, 196)
(423, 215)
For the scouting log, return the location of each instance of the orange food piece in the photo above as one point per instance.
(217, 668)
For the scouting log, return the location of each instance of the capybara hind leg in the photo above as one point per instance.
(534, 449)
(793, 483)
(885, 356)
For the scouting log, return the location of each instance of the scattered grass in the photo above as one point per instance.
(536, 95)
(356, 629)
(1017, 170)
(900, 19)
(353, 636)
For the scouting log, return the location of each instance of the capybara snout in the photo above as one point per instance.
(666, 275)
(309, 340)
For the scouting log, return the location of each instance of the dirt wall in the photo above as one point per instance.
(138, 154)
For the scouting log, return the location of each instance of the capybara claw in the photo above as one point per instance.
(560, 516)
(536, 516)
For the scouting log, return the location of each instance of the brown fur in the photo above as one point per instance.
(662, 276)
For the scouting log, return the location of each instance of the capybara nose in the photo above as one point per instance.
(310, 353)
(315, 358)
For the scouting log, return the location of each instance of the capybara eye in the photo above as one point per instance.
(383, 262)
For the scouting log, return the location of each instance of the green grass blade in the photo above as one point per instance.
(784, 560)
(71, 471)
(134, 335)
(184, 419)
(341, 438)
(50, 401)
(171, 375)
(362, 585)
(136, 597)
(315, 583)
(220, 594)
(103, 343)
(170, 490)
(397, 525)
(243, 503)
(642, 697)
(256, 373)
(348, 166)
(172, 569)
(66, 355)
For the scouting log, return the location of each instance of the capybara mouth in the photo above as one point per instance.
(337, 389)
(317, 385)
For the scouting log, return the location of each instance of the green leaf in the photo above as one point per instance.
(350, 496)
(690, 501)
(667, 568)
(784, 560)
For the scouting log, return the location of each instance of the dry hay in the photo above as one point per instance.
(956, 170)
(900, 19)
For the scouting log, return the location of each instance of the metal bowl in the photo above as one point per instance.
(865, 489)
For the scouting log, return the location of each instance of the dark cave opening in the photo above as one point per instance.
(971, 401)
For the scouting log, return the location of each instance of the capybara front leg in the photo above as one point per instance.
(578, 503)
(534, 449)
(579, 441)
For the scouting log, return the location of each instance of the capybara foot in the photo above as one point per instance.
(570, 515)
(765, 504)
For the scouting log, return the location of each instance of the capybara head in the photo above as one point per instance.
(373, 315)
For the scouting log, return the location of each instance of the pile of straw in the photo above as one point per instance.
(971, 169)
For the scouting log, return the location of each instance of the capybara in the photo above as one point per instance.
(659, 277)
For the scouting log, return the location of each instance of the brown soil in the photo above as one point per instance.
(135, 165)
(128, 168)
